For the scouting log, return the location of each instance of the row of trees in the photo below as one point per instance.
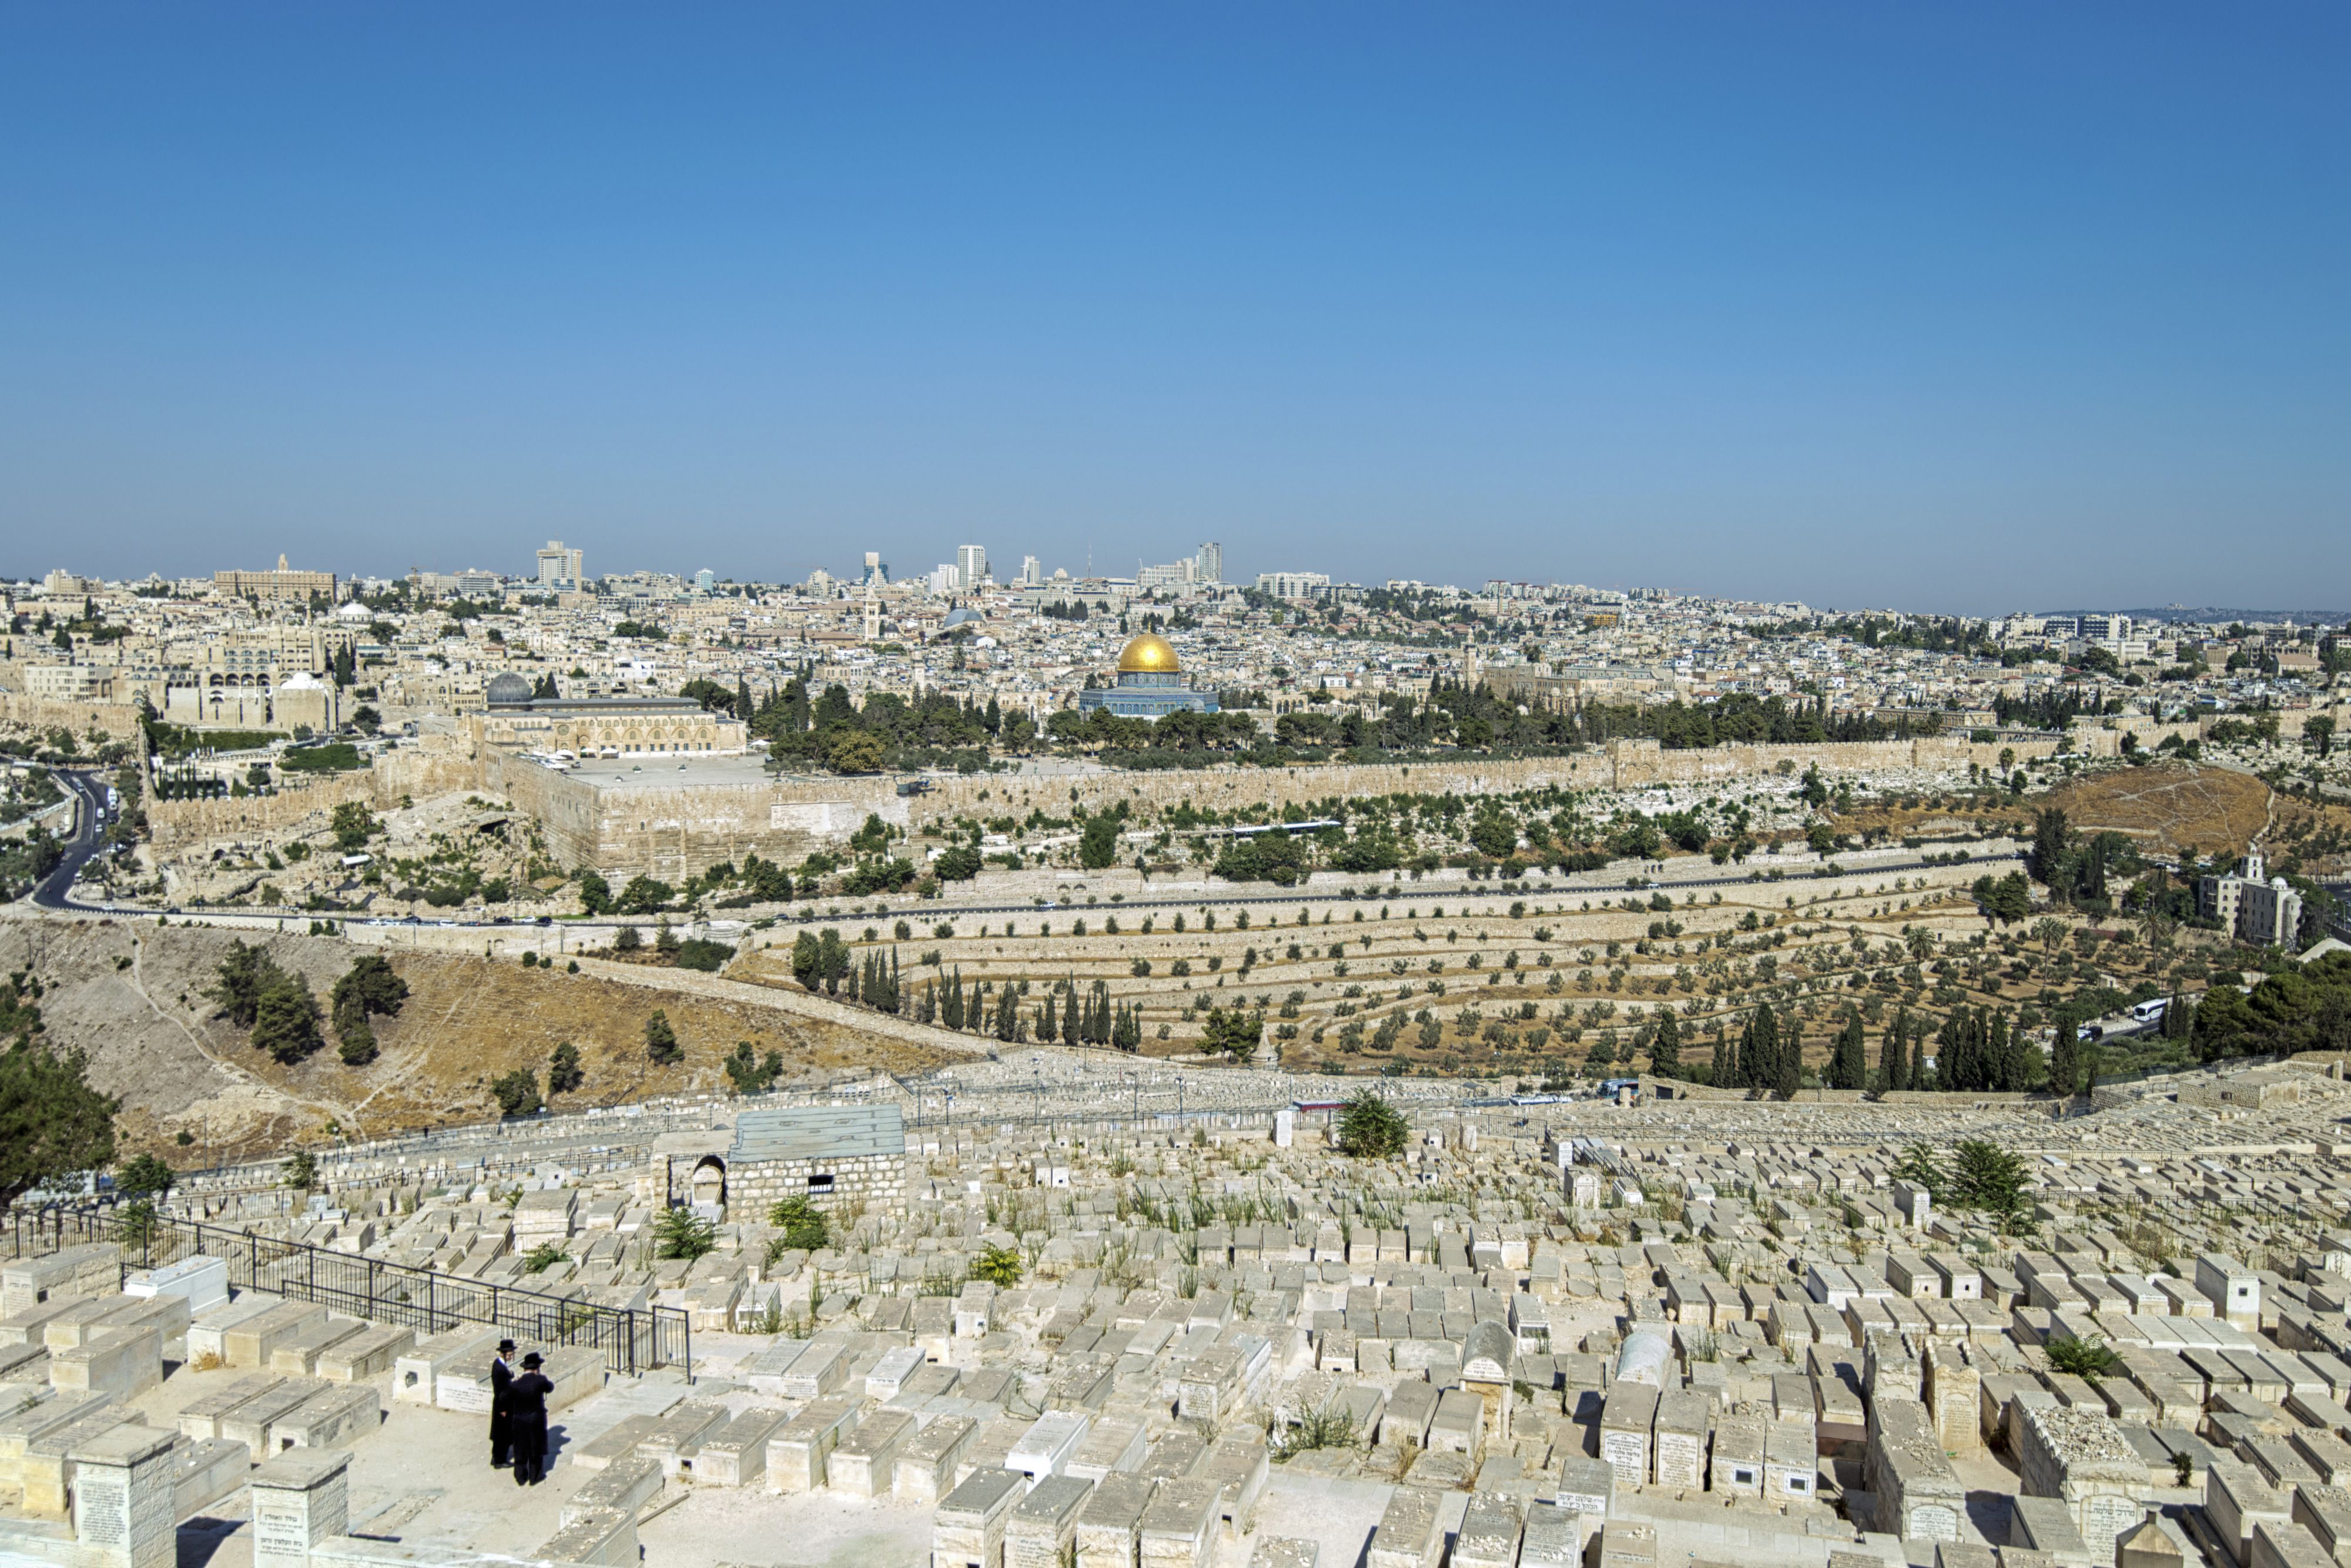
(1763, 1056)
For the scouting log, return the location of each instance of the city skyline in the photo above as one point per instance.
(1950, 312)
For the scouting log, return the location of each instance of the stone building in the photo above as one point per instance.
(831, 1155)
(514, 720)
(2260, 909)
(281, 585)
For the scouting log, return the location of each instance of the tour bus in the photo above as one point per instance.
(2150, 1010)
(1608, 1087)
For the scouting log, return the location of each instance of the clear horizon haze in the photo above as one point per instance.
(1956, 309)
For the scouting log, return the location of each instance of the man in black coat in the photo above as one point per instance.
(527, 1422)
(501, 1406)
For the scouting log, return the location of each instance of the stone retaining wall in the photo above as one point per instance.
(304, 804)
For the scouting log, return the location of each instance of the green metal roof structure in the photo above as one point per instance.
(817, 1132)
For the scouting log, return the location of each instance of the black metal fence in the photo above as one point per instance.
(633, 1338)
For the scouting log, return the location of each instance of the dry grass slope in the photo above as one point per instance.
(154, 1040)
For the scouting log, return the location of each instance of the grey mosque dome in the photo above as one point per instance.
(508, 687)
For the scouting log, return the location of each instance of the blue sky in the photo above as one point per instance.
(1955, 308)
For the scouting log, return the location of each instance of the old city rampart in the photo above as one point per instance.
(305, 803)
(671, 830)
(674, 829)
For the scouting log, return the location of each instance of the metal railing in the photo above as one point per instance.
(633, 1338)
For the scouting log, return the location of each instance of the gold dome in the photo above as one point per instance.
(1149, 654)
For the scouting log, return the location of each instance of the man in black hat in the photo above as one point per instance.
(527, 1422)
(501, 1406)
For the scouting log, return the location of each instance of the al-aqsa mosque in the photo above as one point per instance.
(1151, 683)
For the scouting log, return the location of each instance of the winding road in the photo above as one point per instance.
(56, 890)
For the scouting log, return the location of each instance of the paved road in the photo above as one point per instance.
(55, 891)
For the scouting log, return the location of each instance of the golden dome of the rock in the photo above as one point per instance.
(1149, 654)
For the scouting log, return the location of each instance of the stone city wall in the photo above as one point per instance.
(117, 721)
(673, 832)
(303, 803)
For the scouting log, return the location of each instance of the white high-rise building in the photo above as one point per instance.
(971, 565)
(560, 568)
(1293, 584)
(1032, 571)
(1208, 565)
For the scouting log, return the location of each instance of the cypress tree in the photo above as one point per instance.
(1953, 1070)
(1789, 1061)
(1849, 1060)
(2065, 1058)
(2016, 1056)
(1917, 1058)
(1766, 1071)
(1892, 1059)
(1666, 1048)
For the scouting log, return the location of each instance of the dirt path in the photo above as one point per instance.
(237, 1075)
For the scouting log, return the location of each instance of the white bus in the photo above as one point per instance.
(2149, 1011)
